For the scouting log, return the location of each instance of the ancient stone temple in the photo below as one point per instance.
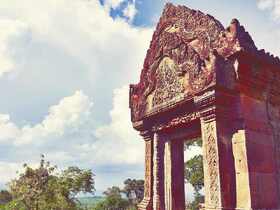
(200, 79)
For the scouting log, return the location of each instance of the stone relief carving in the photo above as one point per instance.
(168, 83)
(211, 158)
(148, 169)
(184, 54)
(186, 118)
(190, 52)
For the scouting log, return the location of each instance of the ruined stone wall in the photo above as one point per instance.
(259, 107)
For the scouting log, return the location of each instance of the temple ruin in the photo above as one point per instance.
(200, 79)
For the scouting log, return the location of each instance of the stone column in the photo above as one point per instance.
(261, 120)
(177, 174)
(174, 175)
(218, 162)
(211, 165)
(167, 176)
(243, 195)
(158, 175)
(147, 202)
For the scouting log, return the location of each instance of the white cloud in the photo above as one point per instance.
(120, 116)
(13, 35)
(272, 5)
(56, 48)
(11, 170)
(130, 11)
(72, 45)
(8, 171)
(114, 3)
(8, 129)
(192, 151)
(265, 4)
(118, 142)
(68, 115)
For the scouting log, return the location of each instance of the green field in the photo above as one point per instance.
(90, 201)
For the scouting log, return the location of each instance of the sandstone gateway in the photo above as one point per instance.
(202, 80)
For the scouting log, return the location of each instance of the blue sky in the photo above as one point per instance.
(65, 67)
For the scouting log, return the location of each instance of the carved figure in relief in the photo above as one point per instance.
(211, 158)
(185, 52)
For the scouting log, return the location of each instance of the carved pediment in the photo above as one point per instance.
(185, 52)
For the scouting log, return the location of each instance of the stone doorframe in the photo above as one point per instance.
(198, 74)
(228, 173)
(164, 156)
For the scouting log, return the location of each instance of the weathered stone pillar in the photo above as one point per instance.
(174, 175)
(178, 178)
(147, 202)
(158, 175)
(243, 197)
(167, 176)
(259, 155)
(211, 165)
(218, 162)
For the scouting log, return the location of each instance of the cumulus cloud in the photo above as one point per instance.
(52, 49)
(130, 11)
(118, 137)
(8, 171)
(114, 3)
(71, 45)
(272, 5)
(126, 7)
(13, 38)
(68, 115)
(265, 4)
(8, 129)
(107, 146)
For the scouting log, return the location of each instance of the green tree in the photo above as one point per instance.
(113, 200)
(194, 174)
(198, 198)
(134, 190)
(44, 188)
(113, 192)
(5, 197)
(14, 205)
(112, 203)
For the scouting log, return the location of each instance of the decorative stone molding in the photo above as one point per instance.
(147, 202)
(211, 165)
(175, 122)
(187, 51)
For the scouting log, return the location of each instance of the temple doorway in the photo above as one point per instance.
(202, 80)
(193, 173)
